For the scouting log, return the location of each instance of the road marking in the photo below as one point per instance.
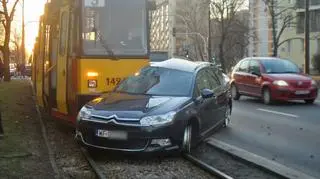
(276, 112)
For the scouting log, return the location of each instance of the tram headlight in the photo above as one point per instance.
(84, 113)
(92, 83)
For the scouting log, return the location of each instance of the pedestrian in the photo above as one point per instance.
(18, 71)
(1, 70)
(1, 128)
(22, 70)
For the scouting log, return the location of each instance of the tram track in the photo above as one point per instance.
(209, 163)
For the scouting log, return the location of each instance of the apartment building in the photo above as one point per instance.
(293, 37)
(260, 31)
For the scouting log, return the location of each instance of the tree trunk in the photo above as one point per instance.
(6, 53)
(221, 57)
(275, 49)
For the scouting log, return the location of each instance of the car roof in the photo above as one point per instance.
(180, 64)
(264, 58)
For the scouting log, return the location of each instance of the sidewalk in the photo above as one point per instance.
(23, 153)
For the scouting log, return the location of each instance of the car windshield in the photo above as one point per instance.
(158, 81)
(115, 27)
(280, 66)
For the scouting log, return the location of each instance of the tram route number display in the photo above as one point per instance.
(94, 3)
(113, 81)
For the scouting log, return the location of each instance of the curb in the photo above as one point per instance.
(259, 161)
(44, 135)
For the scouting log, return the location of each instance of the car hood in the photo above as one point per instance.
(134, 106)
(289, 77)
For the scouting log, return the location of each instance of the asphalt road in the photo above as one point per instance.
(288, 133)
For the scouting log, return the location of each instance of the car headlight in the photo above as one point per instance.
(280, 83)
(158, 119)
(84, 113)
(313, 83)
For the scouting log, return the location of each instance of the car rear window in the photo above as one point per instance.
(279, 66)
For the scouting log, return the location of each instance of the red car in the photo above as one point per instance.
(272, 79)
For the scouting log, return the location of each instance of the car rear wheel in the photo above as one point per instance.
(187, 139)
(227, 118)
(266, 96)
(309, 101)
(234, 92)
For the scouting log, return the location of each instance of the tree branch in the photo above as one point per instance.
(13, 9)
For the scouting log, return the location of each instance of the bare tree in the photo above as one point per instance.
(15, 45)
(195, 14)
(229, 32)
(281, 18)
(7, 15)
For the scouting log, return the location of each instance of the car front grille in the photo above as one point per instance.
(301, 85)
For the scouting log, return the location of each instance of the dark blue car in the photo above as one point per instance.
(169, 105)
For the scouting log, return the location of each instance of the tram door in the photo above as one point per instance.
(46, 64)
(39, 66)
(62, 61)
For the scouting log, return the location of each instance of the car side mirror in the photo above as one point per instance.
(256, 73)
(207, 93)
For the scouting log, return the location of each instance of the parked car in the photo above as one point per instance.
(272, 79)
(169, 105)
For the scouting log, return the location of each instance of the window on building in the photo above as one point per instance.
(318, 44)
(300, 22)
(315, 20)
(289, 47)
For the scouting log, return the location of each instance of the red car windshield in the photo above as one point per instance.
(279, 66)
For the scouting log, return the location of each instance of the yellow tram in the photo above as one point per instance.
(86, 47)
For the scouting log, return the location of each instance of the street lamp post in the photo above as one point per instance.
(203, 39)
(307, 38)
(23, 36)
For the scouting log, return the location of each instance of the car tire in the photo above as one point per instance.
(187, 139)
(227, 117)
(235, 92)
(266, 96)
(309, 101)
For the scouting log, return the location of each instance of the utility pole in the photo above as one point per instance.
(307, 38)
(23, 36)
(209, 32)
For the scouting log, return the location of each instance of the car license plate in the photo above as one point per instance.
(302, 92)
(117, 135)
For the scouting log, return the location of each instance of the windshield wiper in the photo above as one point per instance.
(104, 44)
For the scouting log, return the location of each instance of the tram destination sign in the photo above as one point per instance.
(94, 3)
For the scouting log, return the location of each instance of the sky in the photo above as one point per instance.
(33, 10)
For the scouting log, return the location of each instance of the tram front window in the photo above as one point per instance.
(114, 27)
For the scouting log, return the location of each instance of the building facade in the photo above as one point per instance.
(260, 31)
(293, 37)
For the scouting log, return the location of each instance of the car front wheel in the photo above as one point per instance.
(227, 117)
(187, 139)
(266, 96)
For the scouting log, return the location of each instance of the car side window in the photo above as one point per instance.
(202, 82)
(214, 79)
(244, 66)
(254, 67)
